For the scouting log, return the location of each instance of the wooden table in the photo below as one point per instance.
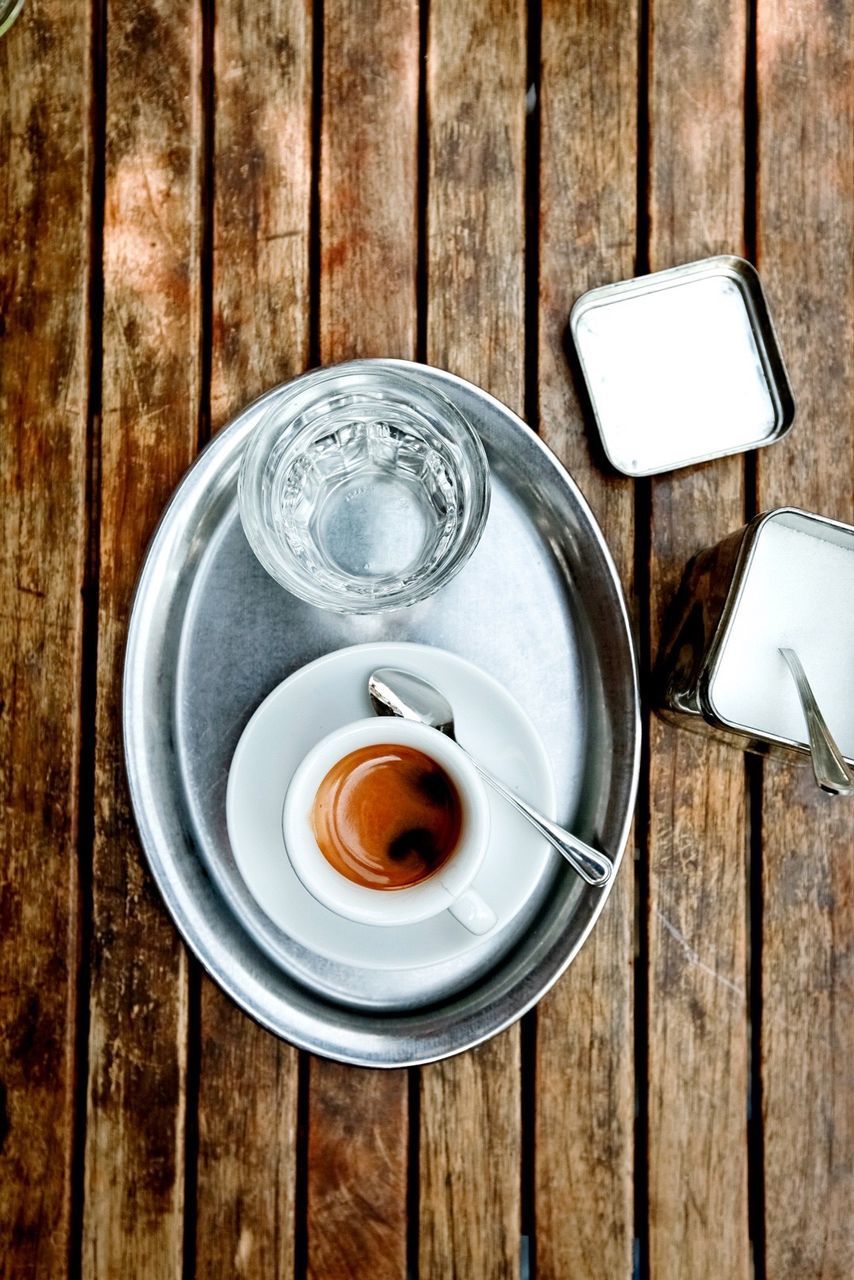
(199, 200)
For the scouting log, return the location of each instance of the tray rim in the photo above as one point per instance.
(148, 838)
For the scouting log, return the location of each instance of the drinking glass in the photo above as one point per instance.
(363, 488)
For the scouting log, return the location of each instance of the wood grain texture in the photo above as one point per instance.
(246, 1174)
(476, 84)
(470, 1163)
(247, 1146)
(358, 1120)
(44, 373)
(357, 1133)
(134, 1179)
(805, 238)
(369, 160)
(476, 68)
(262, 183)
(470, 1107)
(698, 1072)
(585, 1049)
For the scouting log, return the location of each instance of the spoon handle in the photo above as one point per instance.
(831, 771)
(596, 868)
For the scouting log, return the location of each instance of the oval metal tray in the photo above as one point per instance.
(539, 606)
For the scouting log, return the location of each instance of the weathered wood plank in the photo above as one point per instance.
(45, 172)
(698, 1072)
(262, 184)
(262, 179)
(134, 1181)
(247, 1146)
(806, 254)
(358, 1120)
(585, 1049)
(476, 84)
(476, 72)
(368, 175)
(470, 1156)
(358, 1126)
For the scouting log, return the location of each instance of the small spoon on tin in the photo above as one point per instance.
(831, 771)
(401, 693)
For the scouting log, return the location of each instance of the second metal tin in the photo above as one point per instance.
(702, 623)
(682, 366)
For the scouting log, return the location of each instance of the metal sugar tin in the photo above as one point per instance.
(701, 624)
(682, 366)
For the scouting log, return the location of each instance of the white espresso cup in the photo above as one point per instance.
(447, 889)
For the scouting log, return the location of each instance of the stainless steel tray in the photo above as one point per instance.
(539, 606)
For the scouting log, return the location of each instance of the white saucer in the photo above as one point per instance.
(330, 693)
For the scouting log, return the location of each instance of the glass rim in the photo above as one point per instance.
(8, 14)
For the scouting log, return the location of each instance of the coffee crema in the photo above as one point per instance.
(387, 816)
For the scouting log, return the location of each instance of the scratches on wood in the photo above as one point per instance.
(134, 1175)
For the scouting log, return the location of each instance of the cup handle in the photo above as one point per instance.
(471, 910)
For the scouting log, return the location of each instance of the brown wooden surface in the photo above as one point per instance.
(368, 174)
(45, 172)
(134, 1157)
(805, 249)
(696, 848)
(584, 1216)
(285, 184)
(357, 1140)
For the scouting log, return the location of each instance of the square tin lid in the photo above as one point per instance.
(682, 366)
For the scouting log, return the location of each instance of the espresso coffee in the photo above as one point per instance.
(387, 816)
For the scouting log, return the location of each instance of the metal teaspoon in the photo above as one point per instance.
(401, 693)
(829, 767)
